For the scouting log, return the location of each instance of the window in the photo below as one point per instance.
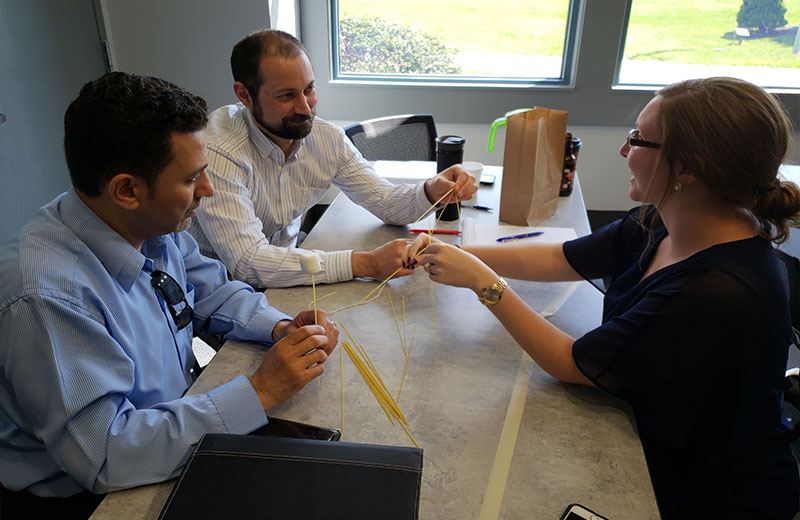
(517, 41)
(756, 40)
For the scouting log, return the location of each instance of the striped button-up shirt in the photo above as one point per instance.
(252, 222)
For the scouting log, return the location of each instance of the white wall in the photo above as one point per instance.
(187, 42)
(48, 50)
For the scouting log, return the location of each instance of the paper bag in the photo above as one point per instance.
(532, 164)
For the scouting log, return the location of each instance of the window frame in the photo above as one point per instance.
(566, 80)
(592, 100)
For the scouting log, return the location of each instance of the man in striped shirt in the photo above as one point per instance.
(270, 160)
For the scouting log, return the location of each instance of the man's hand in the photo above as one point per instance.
(307, 318)
(380, 263)
(453, 177)
(290, 364)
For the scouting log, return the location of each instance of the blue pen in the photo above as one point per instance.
(476, 206)
(523, 235)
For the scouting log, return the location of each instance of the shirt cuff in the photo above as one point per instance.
(239, 406)
(338, 266)
(264, 323)
(422, 201)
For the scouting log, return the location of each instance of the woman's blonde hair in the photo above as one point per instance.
(732, 136)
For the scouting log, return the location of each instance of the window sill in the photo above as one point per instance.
(372, 82)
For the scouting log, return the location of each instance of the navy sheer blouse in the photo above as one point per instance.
(698, 349)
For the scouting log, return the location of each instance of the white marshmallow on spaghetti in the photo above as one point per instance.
(309, 262)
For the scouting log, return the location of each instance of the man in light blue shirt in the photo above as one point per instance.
(100, 295)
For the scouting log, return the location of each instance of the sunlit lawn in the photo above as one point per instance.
(535, 27)
(701, 34)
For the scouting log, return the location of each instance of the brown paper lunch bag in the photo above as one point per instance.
(532, 164)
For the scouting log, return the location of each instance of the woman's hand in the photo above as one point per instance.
(450, 265)
(411, 255)
(447, 264)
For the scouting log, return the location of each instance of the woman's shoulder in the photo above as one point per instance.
(749, 262)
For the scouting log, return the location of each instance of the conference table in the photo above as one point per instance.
(501, 438)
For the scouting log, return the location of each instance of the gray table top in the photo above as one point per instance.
(501, 438)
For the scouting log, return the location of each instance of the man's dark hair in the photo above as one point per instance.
(248, 53)
(123, 123)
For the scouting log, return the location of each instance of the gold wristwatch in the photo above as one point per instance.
(491, 295)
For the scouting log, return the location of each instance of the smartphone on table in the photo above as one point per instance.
(579, 512)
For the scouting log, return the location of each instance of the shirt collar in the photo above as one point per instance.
(123, 261)
(265, 145)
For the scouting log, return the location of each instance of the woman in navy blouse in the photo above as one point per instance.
(696, 324)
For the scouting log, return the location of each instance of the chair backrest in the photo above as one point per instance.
(791, 382)
(395, 138)
(792, 266)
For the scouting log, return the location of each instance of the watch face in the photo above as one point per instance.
(493, 293)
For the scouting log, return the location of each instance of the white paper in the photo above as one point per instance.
(472, 233)
(405, 171)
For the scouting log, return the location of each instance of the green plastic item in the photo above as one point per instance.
(501, 121)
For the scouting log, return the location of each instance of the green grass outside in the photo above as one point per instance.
(535, 27)
(675, 31)
(701, 32)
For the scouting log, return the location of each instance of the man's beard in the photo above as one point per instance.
(292, 127)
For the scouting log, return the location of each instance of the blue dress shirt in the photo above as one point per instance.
(93, 370)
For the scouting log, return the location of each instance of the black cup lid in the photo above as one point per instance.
(450, 143)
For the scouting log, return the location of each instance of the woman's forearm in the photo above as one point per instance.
(539, 262)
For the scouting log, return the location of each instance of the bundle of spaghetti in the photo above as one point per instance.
(375, 383)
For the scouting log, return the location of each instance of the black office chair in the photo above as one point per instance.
(792, 265)
(791, 394)
(395, 138)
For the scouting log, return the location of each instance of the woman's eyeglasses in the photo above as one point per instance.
(634, 139)
(171, 292)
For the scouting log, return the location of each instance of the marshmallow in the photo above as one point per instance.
(309, 262)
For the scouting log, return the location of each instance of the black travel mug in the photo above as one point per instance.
(449, 151)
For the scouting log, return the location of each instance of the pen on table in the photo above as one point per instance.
(476, 206)
(522, 235)
(437, 231)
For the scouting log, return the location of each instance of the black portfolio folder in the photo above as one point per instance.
(245, 476)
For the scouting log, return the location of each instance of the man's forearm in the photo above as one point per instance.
(362, 264)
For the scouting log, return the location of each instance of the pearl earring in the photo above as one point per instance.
(678, 186)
